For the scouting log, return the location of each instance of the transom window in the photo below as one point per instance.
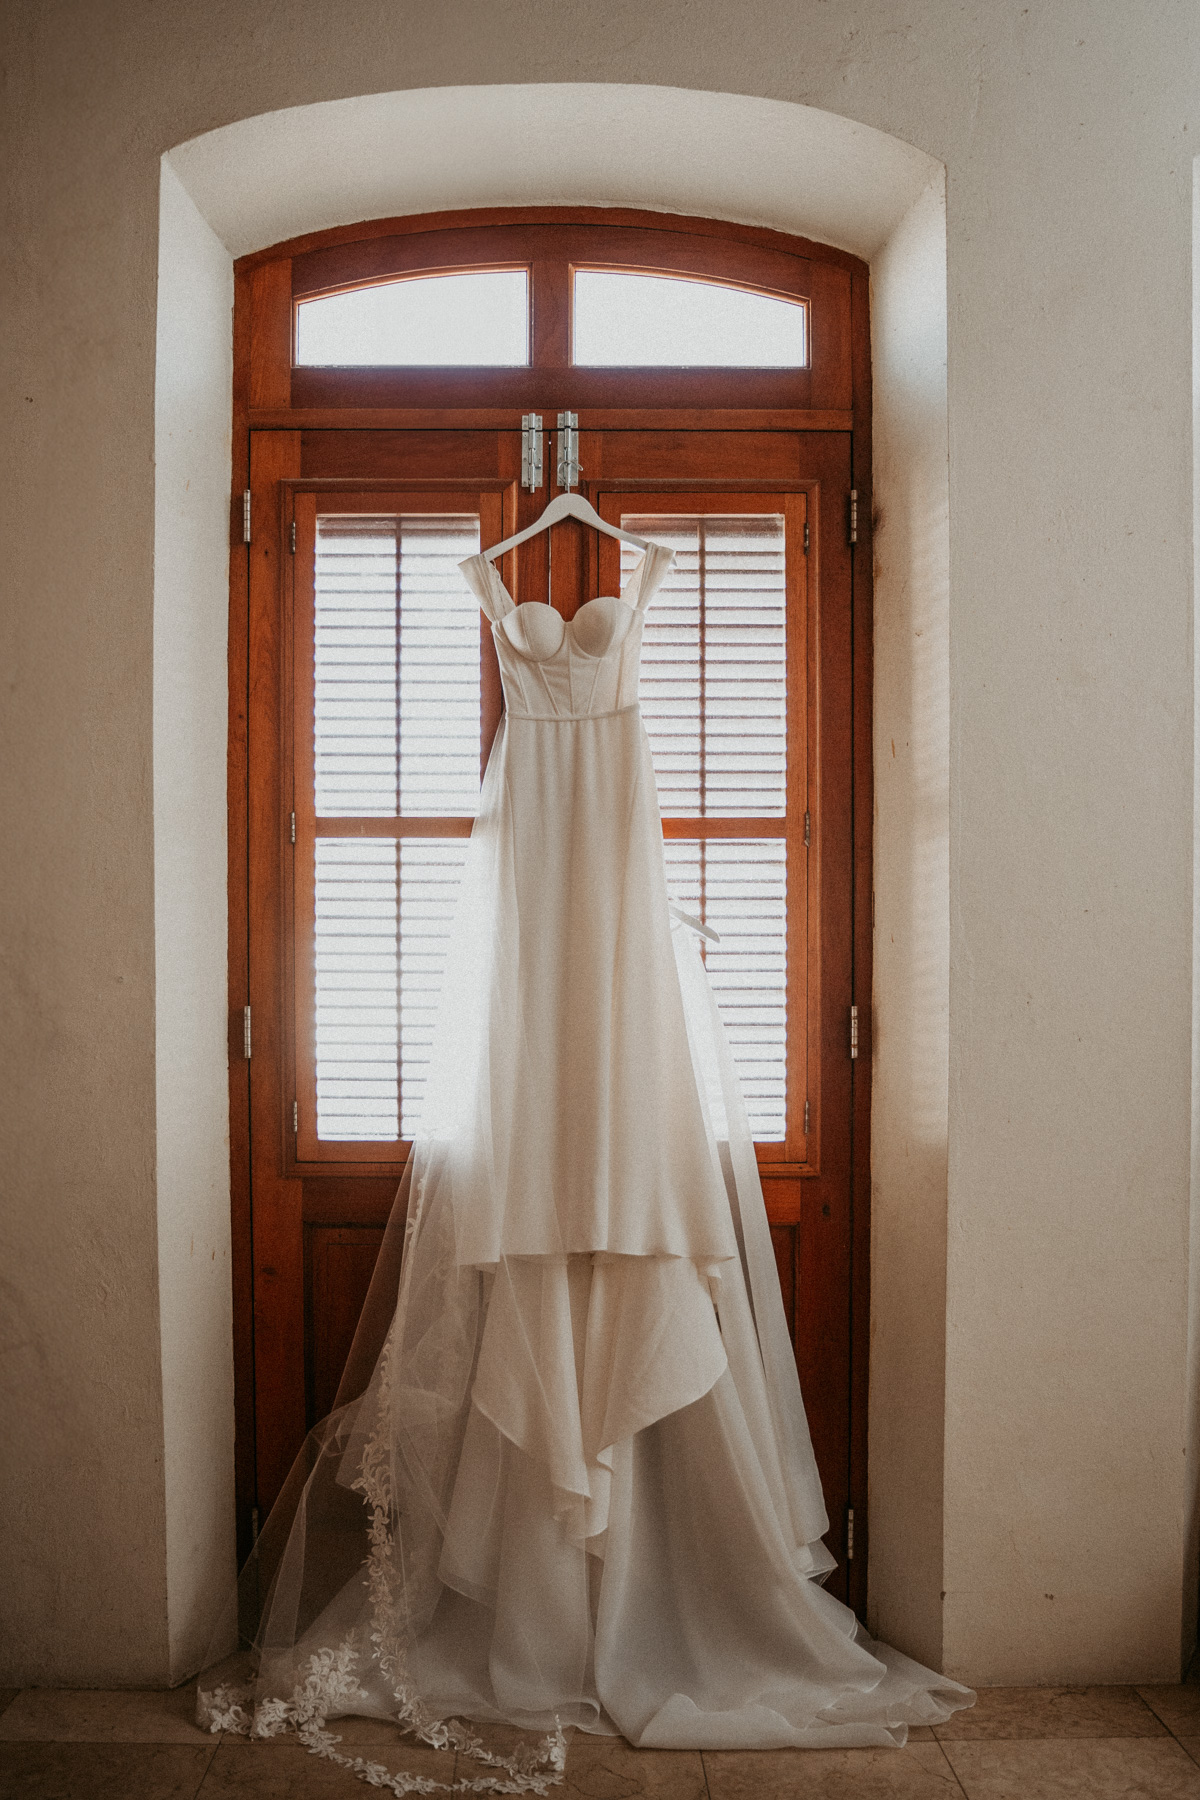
(625, 320)
(479, 317)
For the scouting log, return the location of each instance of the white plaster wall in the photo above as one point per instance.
(911, 1020)
(191, 608)
(1065, 134)
(585, 143)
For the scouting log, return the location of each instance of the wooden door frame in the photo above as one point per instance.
(263, 399)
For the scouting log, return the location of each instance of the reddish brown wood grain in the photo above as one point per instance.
(270, 320)
(508, 418)
(338, 1263)
(278, 1249)
(631, 218)
(236, 775)
(864, 920)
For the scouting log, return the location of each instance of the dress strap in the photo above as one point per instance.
(644, 583)
(484, 581)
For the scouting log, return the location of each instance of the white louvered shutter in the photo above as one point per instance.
(396, 736)
(714, 701)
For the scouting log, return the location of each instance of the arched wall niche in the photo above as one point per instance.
(793, 168)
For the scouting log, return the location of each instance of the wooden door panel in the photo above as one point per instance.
(456, 457)
(278, 1273)
(317, 1230)
(683, 456)
(338, 1263)
(295, 1348)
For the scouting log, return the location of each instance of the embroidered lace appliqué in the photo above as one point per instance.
(330, 1684)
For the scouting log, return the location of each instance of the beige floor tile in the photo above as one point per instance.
(76, 1771)
(1053, 1712)
(1178, 1707)
(1083, 1769)
(605, 1768)
(919, 1772)
(103, 1716)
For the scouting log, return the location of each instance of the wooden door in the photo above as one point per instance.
(320, 1198)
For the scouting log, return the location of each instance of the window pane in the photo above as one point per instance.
(396, 680)
(739, 887)
(430, 874)
(714, 665)
(383, 913)
(624, 320)
(357, 919)
(479, 318)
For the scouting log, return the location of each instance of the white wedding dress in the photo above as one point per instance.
(569, 1481)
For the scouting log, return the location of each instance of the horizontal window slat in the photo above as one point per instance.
(396, 667)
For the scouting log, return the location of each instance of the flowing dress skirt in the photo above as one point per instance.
(569, 1481)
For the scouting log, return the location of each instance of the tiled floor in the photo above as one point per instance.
(1017, 1744)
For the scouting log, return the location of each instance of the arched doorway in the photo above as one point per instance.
(757, 471)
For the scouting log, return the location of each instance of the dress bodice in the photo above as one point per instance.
(555, 668)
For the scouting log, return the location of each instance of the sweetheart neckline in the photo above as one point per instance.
(590, 655)
(550, 607)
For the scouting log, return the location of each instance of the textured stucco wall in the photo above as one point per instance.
(191, 609)
(1066, 134)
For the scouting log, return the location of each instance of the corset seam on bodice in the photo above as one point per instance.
(573, 681)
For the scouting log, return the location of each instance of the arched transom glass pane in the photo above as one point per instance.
(479, 318)
(628, 320)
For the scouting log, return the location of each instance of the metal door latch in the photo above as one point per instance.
(568, 450)
(531, 451)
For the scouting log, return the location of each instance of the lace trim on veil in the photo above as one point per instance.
(330, 1683)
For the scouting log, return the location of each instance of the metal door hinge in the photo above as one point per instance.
(853, 1031)
(246, 516)
(568, 450)
(295, 1115)
(806, 1118)
(531, 451)
(806, 537)
(849, 1534)
(807, 831)
(293, 819)
(292, 538)
(246, 1032)
(854, 515)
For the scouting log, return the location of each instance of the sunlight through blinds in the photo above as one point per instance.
(397, 732)
(714, 701)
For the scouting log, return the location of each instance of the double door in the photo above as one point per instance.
(371, 698)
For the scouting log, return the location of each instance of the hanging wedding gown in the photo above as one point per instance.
(569, 1481)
